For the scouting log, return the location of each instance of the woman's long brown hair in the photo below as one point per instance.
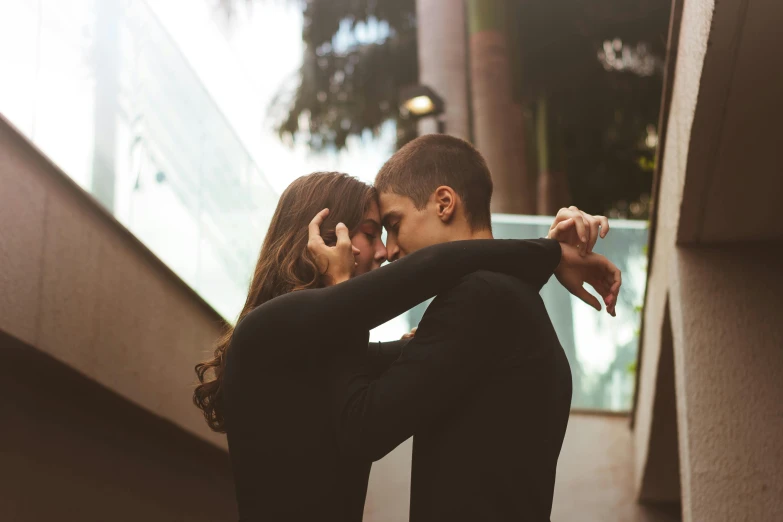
(285, 264)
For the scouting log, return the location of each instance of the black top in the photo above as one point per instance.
(280, 377)
(485, 387)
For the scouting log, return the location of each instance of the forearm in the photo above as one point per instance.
(374, 298)
(381, 355)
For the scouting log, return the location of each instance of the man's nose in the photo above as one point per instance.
(392, 251)
(381, 254)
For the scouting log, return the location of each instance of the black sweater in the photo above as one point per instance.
(299, 362)
(485, 387)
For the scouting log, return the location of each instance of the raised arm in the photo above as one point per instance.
(372, 299)
(449, 356)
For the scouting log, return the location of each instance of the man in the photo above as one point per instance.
(485, 385)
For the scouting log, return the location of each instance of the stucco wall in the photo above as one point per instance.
(728, 351)
(715, 281)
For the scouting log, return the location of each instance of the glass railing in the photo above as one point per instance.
(102, 89)
(601, 349)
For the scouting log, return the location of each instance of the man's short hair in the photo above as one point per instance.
(432, 160)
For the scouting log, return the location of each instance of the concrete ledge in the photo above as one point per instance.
(74, 450)
(75, 284)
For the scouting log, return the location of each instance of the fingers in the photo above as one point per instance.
(559, 231)
(582, 230)
(562, 215)
(604, 225)
(615, 280)
(593, 225)
(587, 297)
(343, 238)
(314, 229)
(411, 334)
(578, 228)
(606, 278)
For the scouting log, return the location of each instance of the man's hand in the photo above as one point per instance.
(578, 229)
(335, 264)
(411, 334)
(574, 270)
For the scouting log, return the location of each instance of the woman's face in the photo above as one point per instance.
(367, 238)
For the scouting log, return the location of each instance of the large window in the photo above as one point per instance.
(103, 90)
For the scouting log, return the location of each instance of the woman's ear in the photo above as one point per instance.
(446, 203)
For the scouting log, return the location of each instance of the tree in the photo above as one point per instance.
(600, 101)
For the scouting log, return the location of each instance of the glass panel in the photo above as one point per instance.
(102, 89)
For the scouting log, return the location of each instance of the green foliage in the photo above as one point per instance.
(349, 85)
(601, 100)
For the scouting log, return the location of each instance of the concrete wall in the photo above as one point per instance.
(728, 339)
(711, 358)
(70, 449)
(78, 286)
(443, 62)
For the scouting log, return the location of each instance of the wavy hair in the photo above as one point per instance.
(285, 264)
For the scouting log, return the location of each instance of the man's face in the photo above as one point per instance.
(407, 228)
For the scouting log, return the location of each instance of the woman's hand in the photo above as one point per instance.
(335, 264)
(594, 269)
(578, 229)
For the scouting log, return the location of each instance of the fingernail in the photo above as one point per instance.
(341, 224)
(584, 239)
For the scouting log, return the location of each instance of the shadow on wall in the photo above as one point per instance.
(74, 450)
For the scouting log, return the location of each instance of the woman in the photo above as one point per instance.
(271, 374)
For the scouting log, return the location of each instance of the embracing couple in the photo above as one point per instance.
(483, 386)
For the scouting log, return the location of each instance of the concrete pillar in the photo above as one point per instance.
(495, 127)
(443, 62)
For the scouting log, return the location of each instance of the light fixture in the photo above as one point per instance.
(419, 101)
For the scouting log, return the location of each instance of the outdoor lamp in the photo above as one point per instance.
(420, 101)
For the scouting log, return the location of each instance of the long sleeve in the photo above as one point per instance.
(371, 299)
(450, 354)
(381, 355)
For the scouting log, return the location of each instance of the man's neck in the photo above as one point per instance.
(465, 234)
(482, 234)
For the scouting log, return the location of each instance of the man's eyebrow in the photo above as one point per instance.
(388, 217)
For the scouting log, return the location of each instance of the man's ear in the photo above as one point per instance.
(445, 203)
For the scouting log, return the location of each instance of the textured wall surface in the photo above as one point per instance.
(72, 450)
(75, 285)
(693, 40)
(715, 281)
(728, 350)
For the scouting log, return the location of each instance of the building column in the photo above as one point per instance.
(443, 62)
(496, 130)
